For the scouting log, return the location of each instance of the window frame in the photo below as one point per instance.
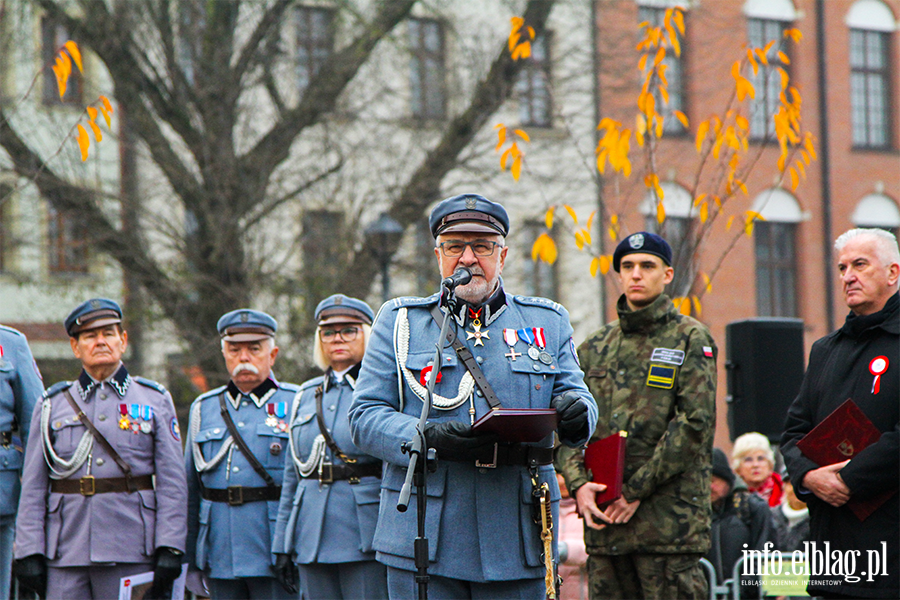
(538, 277)
(782, 300)
(53, 36)
(317, 49)
(675, 72)
(536, 77)
(67, 251)
(420, 57)
(767, 96)
(886, 127)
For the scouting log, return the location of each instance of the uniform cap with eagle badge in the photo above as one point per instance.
(470, 213)
(91, 314)
(642, 242)
(246, 325)
(343, 309)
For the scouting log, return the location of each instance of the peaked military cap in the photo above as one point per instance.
(246, 325)
(343, 309)
(91, 314)
(469, 212)
(644, 243)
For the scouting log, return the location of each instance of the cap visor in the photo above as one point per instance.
(246, 337)
(96, 324)
(470, 227)
(341, 319)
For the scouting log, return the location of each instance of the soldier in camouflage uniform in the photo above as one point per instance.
(653, 374)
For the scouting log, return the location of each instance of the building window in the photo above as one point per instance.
(775, 269)
(67, 242)
(53, 36)
(323, 250)
(535, 103)
(674, 73)
(539, 278)
(877, 211)
(315, 42)
(869, 84)
(767, 80)
(426, 68)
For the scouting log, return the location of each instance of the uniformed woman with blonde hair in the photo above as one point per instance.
(329, 497)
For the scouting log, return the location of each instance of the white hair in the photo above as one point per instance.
(270, 339)
(885, 243)
(319, 350)
(747, 443)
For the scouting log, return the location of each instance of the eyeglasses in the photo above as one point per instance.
(455, 248)
(348, 334)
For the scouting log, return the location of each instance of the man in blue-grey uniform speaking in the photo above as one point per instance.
(103, 490)
(484, 541)
(234, 458)
(20, 388)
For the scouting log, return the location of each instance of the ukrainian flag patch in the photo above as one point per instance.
(661, 377)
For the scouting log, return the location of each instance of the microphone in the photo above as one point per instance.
(461, 276)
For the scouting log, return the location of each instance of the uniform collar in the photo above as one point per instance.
(349, 376)
(886, 318)
(487, 313)
(119, 381)
(258, 395)
(633, 321)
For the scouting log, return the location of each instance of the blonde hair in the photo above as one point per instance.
(319, 351)
(747, 443)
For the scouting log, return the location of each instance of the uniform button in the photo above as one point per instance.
(236, 469)
(537, 386)
(240, 423)
(57, 425)
(535, 367)
(102, 417)
(694, 499)
(479, 359)
(103, 396)
(331, 408)
(622, 372)
(216, 430)
(245, 403)
(100, 462)
(478, 393)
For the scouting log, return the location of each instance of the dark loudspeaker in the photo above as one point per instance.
(764, 363)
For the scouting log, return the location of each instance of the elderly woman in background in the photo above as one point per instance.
(754, 462)
(329, 497)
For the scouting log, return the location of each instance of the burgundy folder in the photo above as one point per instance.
(840, 436)
(524, 425)
(605, 459)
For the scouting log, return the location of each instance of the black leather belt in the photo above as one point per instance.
(5, 438)
(90, 485)
(332, 472)
(236, 495)
(515, 455)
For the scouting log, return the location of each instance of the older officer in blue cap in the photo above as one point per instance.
(329, 502)
(234, 459)
(20, 388)
(483, 540)
(103, 489)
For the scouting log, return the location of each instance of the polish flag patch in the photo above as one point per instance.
(707, 351)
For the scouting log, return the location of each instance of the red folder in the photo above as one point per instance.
(840, 436)
(605, 459)
(524, 425)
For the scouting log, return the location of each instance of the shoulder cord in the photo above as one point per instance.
(59, 468)
(316, 453)
(199, 462)
(466, 384)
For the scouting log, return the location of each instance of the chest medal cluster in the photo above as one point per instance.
(276, 412)
(137, 418)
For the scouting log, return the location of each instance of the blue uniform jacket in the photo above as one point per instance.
(235, 541)
(334, 523)
(20, 388)
(479, 520)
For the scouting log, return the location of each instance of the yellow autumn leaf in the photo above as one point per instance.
(501, 136)
(794, 34)
(605, 264)
(579, 240)
(590, 219)
(106, 104)
(640, 127)
(516, 169)
(704, 212)
(84, 142)
(682, 118)
(707, 282)
(66, 64)
(98, 135)
(785, 79)
(697, 307)
(530, 31)
(702, 130)
(587, 236)
(595, 266)
(676, 43)
(60, 79)
(660, 55)
(601, 161)
(547, 252)
(523, 50)
(783, 58)
(72, 47)
(742, 122)
(613, 233)
(699, 199)
(642, 63)
(571, 212)
(795, 179)
(660, 213)
(683, 305)
(548, 217)
(729, 222)
(504, 158)
(522, 134)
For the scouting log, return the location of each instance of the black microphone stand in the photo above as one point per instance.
(417, 470)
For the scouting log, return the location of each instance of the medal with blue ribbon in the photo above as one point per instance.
(527, 336)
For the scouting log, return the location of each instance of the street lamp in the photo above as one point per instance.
(383, 238)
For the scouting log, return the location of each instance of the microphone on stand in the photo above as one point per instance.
(461, 276)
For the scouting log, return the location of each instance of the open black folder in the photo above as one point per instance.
(524, 425)
(841, 435)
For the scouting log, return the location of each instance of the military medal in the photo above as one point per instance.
(511, 337)
(135, 412)
(877, 367)
(476, 325)
(135, 427)
(527, 336)
(541, 341)
(146, 412)
(145, 427)
(124, 423)
(271, 421)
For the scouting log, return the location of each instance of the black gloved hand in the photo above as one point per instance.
(457, 442)
(166, 569)
(31, 572)
(573, 416)
(286, 572)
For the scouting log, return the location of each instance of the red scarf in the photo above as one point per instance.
(771, 489)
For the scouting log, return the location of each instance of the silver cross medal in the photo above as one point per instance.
(478, 333)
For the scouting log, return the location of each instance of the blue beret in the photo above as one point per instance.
(343, 309)
(644, 243)
(246, 325)
(91, 314)
(469, 212)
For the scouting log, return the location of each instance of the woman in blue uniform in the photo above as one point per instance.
(329, 496)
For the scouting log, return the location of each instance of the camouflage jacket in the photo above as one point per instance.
(653, 374)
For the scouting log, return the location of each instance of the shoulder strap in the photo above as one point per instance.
(320, 419)
(124, 466)
(465, 355)
(241, 444)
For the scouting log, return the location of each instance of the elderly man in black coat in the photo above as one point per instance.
(859, 361)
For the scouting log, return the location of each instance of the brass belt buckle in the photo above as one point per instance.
(87, 486)
(235, 495)
(488, 465)
(328, 468)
